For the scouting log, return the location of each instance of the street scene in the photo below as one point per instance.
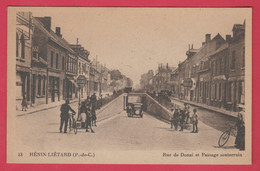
(130, 80)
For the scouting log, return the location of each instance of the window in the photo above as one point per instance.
(63, 63)
(34, 53)
(216, 68)
(219, 91)
(233, 62)
(43, 85)
(57, 61)
(67, 63)
(207, 91)
(229, 85)
(215, 91)
(22, 47)
(52, 56)
(70, 65)
(243, 57)
(39, 85)
(79, 67)
(17, 45)
(224, 64)
(220, 65)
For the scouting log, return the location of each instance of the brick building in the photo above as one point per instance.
(83, 67)
(236, 68)
(59, 59)
(215, 73)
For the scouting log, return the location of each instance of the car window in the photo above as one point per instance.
(134, 99)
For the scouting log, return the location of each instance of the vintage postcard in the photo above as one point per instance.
(123, 85)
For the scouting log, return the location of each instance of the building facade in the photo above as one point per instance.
(24, 32)
(236, 68)
(215, 73)
(83, 63)
(60, 61)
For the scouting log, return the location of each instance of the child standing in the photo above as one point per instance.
(195, 121)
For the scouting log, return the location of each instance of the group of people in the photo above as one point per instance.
(182, 117)
(88, 107)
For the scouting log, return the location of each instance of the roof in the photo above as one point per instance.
(58, 40)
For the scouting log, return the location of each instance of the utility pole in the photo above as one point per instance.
(78, 74)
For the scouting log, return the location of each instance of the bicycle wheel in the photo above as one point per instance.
(75, 127)
(70, 127)
(223, 138)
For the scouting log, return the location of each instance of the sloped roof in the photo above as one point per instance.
(58, 40)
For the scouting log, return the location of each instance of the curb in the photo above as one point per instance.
(39, 110)
(206, 108)
(50, 107)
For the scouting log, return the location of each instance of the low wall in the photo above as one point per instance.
(107, 99)
(156, 109)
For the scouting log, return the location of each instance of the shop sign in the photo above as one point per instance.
(189, 83)
(81, 80)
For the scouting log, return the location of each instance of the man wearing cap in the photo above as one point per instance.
(64, 116)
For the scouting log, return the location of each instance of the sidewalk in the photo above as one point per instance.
(212, 108)
(42, 107)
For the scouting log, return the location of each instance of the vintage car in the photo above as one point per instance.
(134, 104)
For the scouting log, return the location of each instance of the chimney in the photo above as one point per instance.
(46, 21)
(191, 46)
(207, 38)
(58, 32)
(228, 37)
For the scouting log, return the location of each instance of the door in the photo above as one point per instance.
(33, 88)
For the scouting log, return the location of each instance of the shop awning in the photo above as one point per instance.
(236, 78)
(220, 77)
(22, 69)
(71, 79)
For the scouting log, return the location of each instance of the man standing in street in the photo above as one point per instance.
(182, 119)
(176, 119)
(172, 118)
(64, 116)
(89, 119)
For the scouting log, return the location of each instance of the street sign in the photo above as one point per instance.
(81, 80)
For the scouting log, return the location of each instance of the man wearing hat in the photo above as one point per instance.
(64, 116)
(88, 119)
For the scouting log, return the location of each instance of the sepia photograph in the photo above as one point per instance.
(129, 85)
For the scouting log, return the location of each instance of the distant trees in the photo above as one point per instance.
(116, 75)
(119, 81)
(145, 79)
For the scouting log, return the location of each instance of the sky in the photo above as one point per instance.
(135, 40)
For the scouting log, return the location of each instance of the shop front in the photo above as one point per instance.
(55, 80)
(189, 85)
(204, 89)
(71, 87)
(218, 91)
(235, 92)
(22, 85)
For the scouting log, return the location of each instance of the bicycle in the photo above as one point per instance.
(72, 123)
(225, 136)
